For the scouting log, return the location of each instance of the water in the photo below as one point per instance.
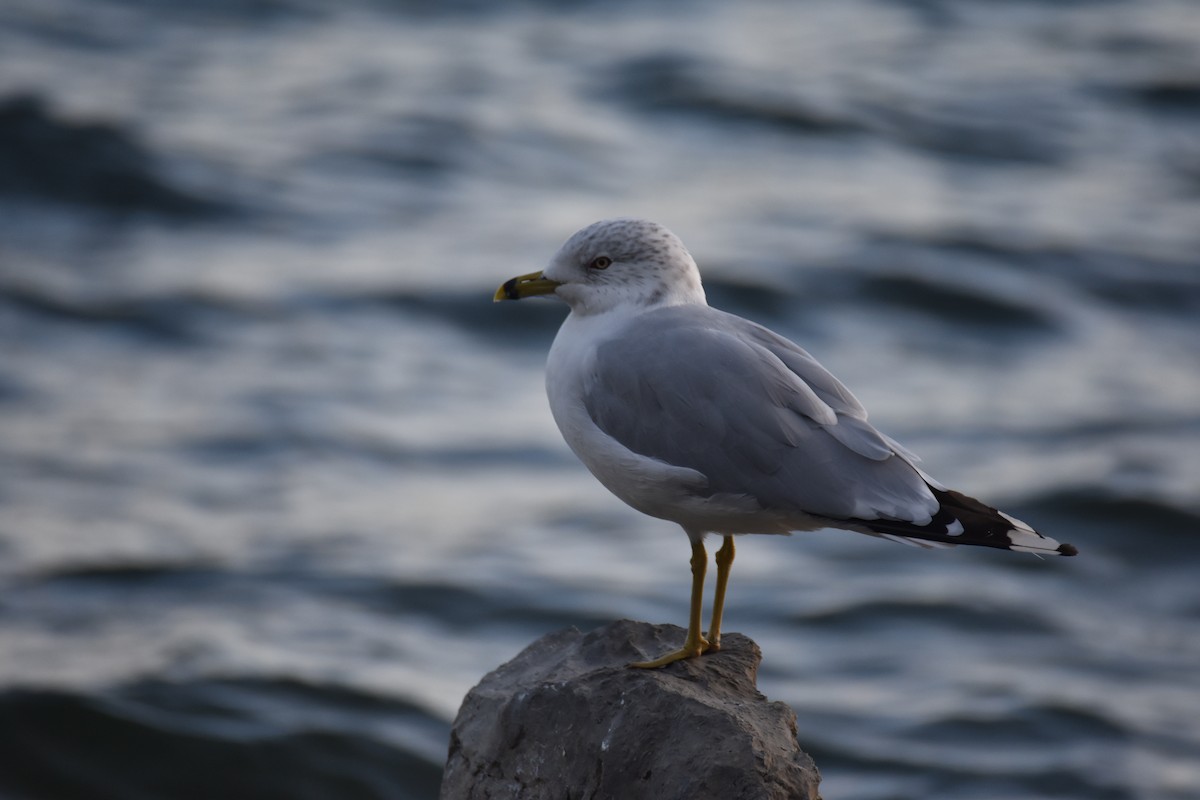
(278, 483)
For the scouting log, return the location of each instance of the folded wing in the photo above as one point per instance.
(759, 417)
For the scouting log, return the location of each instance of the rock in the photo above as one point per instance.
(567, 718)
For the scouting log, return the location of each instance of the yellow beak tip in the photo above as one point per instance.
(524, 286)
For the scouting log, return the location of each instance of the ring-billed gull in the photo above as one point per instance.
(709, 420)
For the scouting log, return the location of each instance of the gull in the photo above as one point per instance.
(711, 421)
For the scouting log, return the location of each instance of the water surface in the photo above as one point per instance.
(278, 483)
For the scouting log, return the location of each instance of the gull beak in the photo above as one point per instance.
(525, 286)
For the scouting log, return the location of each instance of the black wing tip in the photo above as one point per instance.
(1068, 550)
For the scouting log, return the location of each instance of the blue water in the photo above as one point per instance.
(278, 482)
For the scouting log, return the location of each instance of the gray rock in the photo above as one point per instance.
(567, 718)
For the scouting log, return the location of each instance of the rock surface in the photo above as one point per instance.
(567, 718)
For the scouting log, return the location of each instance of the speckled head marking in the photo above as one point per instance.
(624, 261)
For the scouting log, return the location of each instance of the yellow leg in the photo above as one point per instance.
(724, 562)
(695, 643)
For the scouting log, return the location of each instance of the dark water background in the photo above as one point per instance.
(278, 482)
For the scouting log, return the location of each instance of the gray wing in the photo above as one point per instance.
(757, 415)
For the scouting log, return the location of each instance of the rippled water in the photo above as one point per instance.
(278, 483)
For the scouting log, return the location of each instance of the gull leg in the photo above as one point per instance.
(724, 563)
(695, 643)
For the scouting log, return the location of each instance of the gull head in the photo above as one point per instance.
(615, 263)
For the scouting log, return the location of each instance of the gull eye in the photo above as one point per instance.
(600, 262)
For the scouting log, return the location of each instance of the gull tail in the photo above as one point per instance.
(965, 520)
